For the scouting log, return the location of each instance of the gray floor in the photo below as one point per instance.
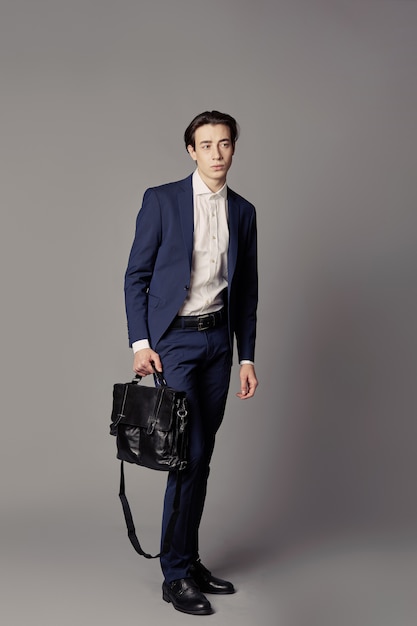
(73, 567)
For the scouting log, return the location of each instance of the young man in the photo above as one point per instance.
(191, 287)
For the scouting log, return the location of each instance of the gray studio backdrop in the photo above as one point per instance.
(95, 96)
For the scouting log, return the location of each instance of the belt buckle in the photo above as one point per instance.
(206, 323)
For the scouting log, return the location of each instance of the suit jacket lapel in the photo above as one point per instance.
(186, 212)
(233, 207)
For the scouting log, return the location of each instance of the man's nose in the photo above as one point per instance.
(216, 153)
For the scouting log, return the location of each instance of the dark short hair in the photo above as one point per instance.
(211, 117)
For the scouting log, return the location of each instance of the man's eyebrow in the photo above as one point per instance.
(209, 141)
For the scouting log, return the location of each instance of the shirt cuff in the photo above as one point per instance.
(140, 345)
(243, 361)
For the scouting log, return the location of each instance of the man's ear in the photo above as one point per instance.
(192, 152)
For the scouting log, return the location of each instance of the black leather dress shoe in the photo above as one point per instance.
(186, 597)
(208, 583)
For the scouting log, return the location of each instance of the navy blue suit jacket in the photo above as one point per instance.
(159, 269)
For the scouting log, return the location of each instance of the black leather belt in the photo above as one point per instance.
(200, 322)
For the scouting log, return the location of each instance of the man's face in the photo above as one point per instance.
(213, 154)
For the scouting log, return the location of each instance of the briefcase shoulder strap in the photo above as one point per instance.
(131, 531)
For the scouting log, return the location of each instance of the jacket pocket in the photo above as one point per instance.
(154, 301)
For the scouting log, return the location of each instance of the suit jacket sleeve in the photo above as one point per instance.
(244, 291)
(141, 265)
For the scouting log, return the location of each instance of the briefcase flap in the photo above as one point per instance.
(144, 407)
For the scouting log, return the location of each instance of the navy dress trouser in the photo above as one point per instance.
(199, 363)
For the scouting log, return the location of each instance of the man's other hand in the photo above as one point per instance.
(248, 381)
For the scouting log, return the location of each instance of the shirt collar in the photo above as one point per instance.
(200, 187)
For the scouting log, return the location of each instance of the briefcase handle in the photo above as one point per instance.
(158, 377)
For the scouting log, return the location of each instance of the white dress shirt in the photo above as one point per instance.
(210, 246)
